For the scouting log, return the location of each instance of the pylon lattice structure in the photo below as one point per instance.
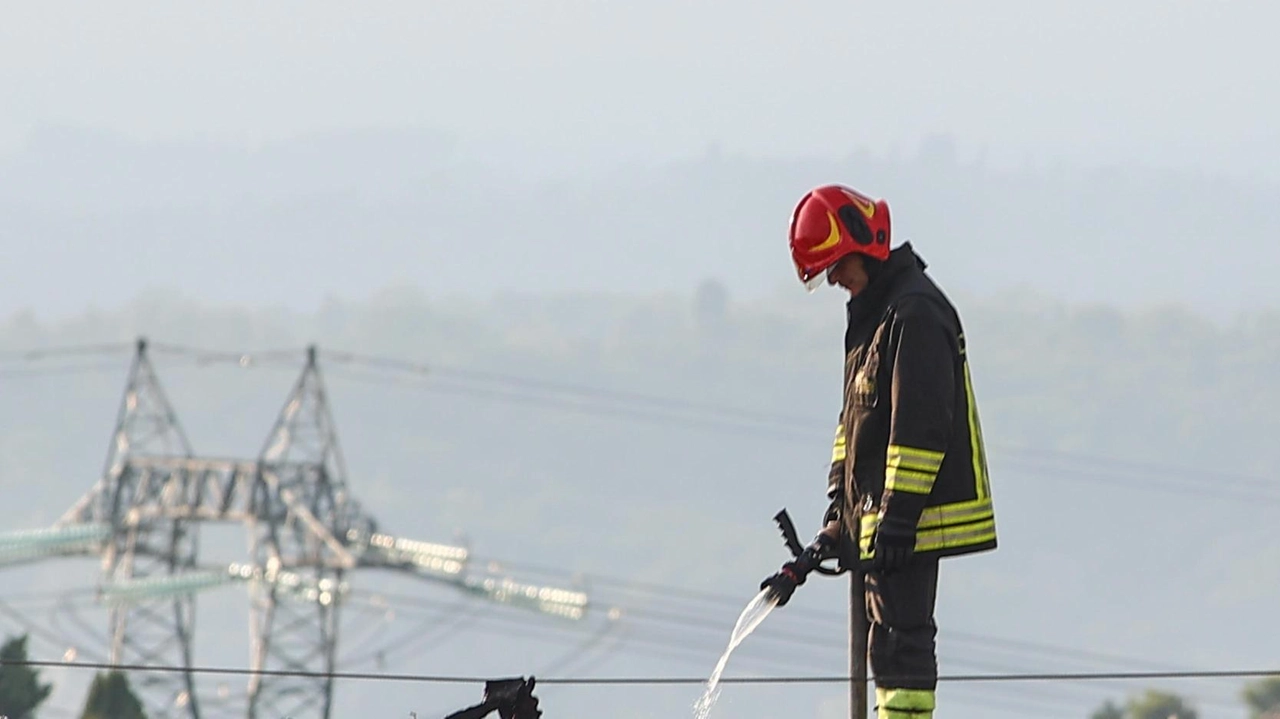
(302, 509)
(307, 537)
(142, 545)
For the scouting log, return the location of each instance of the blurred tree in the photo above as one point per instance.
(20, 688)
(110, 697)
(1154, 704)
(1263, 698)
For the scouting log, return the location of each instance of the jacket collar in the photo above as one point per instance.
(901, 261)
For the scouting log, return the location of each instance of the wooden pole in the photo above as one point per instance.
(858, 629)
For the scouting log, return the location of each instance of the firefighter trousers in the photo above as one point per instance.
(902, 641)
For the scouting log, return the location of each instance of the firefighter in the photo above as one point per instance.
(908, 479)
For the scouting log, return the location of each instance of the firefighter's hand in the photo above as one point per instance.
(784, 582)
(830, 534)
(894, 546)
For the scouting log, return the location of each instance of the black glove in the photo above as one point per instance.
(895, 543)
(786, 580)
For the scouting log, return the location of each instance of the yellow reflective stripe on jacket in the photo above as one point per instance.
(911, 469)
(956, 513)
(869, 522)
(921, 460)
(904, 702)
(866, 530)
(943, 515)
(947, 526)
(977, 450)
(897, 479)
(838, 449)
(949, 537)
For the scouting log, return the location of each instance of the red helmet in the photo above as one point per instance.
(832, 221)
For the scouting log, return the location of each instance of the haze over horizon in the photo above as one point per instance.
(248, 155)
(574, 213)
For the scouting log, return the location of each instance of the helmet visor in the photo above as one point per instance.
(818, 279)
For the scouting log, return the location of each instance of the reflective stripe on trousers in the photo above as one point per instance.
(904, 703)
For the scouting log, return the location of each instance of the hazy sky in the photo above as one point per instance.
(1162, 81)
(564, 88)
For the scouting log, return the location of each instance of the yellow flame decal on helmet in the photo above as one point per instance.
(865, 206)
(833, 237)
(868, 209)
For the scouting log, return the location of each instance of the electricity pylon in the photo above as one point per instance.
(303, 519)
(307, 535)
(145, 544)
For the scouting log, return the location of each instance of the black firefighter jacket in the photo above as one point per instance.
(908, 448)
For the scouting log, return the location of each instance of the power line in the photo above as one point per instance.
(652, 408)
(42, 353)
(651, 638)
(652, 680)
(35, 630)
(589, 405)
(835, 621)
(1028, 459)
(948, 678)
(687, 655)
(399, 365)
(78, 368)
(436, 626)
(610, 402)
(432, 629)
(529, 383)
(619, 403)
(203, 356)
(701, 646)
(614, 402)
(692, 642)
(683, 614)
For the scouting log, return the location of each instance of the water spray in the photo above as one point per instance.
(774, 592)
